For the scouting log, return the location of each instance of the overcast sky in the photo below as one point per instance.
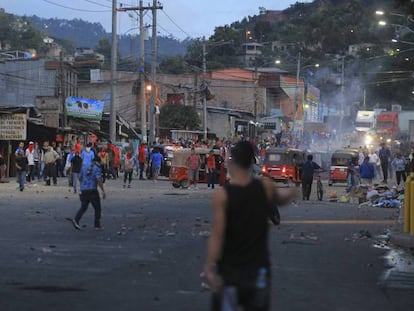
(194, 18)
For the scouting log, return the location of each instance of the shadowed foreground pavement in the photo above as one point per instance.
(150, 253)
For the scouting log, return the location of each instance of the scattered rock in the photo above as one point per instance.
(205, 234)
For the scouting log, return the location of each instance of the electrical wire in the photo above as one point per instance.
(185, 32)
(75, 9)
(100, 4)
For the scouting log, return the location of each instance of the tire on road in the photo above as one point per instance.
(185, 183)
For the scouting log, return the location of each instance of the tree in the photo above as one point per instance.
(173, 65)
(6, 30)
(407, 5)
(178, 116)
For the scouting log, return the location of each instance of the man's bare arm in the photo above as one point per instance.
(280, 196)
(215, 242)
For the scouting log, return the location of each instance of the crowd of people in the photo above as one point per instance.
(52, 160)
(380, 165)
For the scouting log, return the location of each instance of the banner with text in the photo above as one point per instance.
(13, 126)
(84, 108)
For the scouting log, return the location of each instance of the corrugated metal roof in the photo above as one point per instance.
(233, 74)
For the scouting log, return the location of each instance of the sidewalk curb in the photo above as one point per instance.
(402, 239)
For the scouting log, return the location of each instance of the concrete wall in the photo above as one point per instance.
(22, 81)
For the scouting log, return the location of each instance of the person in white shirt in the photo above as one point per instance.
(30, 151)
(361, 156)
(374, 159)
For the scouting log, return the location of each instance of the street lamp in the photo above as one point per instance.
(400, 30)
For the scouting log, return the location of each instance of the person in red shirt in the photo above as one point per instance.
(114, 159)
(193, 163)
(78, 146)
(211, 169)
(142, 158)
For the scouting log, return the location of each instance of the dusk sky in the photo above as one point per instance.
(193, 18)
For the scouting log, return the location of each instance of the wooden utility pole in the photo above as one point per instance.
(151, 114)
(155, 6)
(204, 91)
(142, 73)
(62, 91)
(113, 110)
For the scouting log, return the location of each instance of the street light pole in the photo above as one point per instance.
(154, 8)
(142, 73)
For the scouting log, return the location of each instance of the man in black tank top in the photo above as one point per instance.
(237, 267)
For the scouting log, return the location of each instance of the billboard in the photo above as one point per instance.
(85, 108)
(13, 126)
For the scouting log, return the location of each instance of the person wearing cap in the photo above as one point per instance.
(90, 179)
(30, 151)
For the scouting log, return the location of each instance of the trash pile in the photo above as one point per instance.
(380, 196)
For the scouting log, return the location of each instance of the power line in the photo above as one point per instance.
(185, 32)
(167, 32)
(75, 9)
(97, 3)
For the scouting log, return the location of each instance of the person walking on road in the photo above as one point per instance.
(76, 166)
(129, 164)
(87, 155)
(142, 159)
(385, 157)
(156, 161)
(50, 168)
(3, 169)
(367, 171)
(103, 154)
(308, 169)
(30, 152)
(237, 266)
(193, 163)
(399, 164)
(211, 169)
(90, 178)
(21, 167)
(374, 159)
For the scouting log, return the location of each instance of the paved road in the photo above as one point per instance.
(150, 253)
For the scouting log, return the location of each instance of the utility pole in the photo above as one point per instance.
(155, 6)
(113, 110)
(62, 90)
(204, 83)
(296, 94)
(151, 114)
(204, 91)
(341, 112)
(142, 73)
(256, 82)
